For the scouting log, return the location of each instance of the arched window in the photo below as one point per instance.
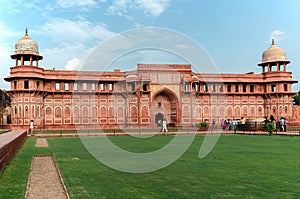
(67, 112)
(120, 112)
(222, 112)
(244, 111)
(26, 112)
(260, 111)
(186, 111)
(206, 111)
(38, 111)
(229, 112)
(94, 112)
(133, 112)
(252, 111)
(48, 112)
(237, 112)
(16, 111)
(145, 111)
(85, 111)
(20, 111)
(111, 111)
(76, 112)
(57, 112)
(32, 111)
(103, 112)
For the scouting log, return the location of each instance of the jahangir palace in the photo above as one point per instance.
(61, 99)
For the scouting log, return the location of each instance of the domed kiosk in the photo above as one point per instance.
(26, 49)
(274, 56)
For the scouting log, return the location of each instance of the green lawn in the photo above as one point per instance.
(240, 166)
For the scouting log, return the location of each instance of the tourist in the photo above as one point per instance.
(224, 125)
(164, 126)
(266, 121)
(243, 123)
(214, 123)
(234, 124)
(284, 124)
(281, 124)
(228, 126)
(273, 120)
(31, 127)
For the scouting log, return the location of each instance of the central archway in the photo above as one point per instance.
(158, 119)
(165, 102)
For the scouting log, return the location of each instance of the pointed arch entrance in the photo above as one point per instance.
(165, 105)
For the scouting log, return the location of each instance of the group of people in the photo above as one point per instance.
(234, 124)
(282, 122)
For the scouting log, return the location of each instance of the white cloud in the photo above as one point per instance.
(64, 31)
(73, 64)
(78, 3)
(71, 41)
(153, 7)
(8, 6)
(7, 40)
(277, 35)
(149, 7)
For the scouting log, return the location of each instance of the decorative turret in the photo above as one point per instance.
(274, 56)
(26, 49)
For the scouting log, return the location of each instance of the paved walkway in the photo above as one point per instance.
(44, 179)
(41, 142)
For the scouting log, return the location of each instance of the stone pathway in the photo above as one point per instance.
(44, 180)
(41, 142)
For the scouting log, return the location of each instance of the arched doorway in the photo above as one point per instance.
(158, 119)
(165, 106)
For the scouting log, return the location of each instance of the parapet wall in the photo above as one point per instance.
(10, 144)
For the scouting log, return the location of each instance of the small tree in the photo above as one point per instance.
(270, 128)
(296, 99)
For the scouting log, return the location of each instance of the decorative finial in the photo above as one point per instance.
(26, 31)
(273, 42)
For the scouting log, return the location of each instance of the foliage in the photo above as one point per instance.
(296, 99)
(270, 128)
(238, 167)
(202, 124)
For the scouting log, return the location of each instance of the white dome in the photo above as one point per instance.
(273, 54)
(26, 45)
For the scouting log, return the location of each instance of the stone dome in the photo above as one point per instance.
(26, 45)
(273, 54)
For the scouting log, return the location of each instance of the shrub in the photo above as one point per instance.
(202, 124)
(270, 128)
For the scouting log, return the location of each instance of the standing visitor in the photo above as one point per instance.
(214, 123)
(164, 126)
(234, 124)
(31, 127)
(284, 124)
(281, 124)
(273, 120)
(243, 123)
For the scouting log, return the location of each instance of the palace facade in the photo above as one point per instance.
(61, 99)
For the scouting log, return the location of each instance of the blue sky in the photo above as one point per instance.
(233, 32)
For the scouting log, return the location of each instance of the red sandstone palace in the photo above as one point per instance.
(61, 99)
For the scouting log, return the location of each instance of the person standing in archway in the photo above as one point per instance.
(164, 126)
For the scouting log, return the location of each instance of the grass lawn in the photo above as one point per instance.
(240, 166)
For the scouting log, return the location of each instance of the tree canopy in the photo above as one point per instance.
(296, 99)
